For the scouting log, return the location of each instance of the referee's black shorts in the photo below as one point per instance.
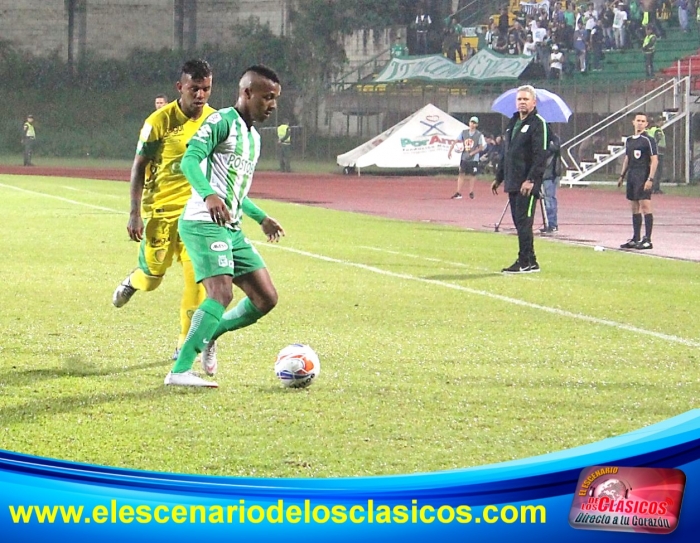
(635, 185)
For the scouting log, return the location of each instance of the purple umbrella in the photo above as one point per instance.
(551, 106)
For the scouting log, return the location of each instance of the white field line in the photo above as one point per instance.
(500, 298)
(60, 198)
(435, 282)
(91, 192)
(428, 259)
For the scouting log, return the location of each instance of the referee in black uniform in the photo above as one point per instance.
(639, 165)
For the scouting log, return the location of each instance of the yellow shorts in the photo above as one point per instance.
(161, 242)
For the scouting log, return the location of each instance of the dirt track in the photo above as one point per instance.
(586, 216)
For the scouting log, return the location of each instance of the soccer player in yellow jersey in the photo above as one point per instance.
(160, 197)
(160, 101)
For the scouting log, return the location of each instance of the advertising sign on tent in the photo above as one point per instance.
(421, 140)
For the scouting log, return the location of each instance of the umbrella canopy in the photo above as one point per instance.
(551, 106)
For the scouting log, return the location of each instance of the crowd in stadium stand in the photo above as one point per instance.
(562, 37)
(569, 36)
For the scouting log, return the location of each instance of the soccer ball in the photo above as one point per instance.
(297, 366)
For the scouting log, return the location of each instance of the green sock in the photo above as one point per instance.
(204, 322)
(244, 314)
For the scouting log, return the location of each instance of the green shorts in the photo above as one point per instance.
(215, 250)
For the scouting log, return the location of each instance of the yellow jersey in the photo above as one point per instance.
(163, 140)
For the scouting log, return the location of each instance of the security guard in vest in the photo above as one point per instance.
(657, 133)
(28, 138)
(284, 142)
(649, 48)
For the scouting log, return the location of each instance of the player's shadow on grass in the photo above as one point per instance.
(35, 410)
(461, 276)
(72, 367)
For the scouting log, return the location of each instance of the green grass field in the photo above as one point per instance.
(431, 360)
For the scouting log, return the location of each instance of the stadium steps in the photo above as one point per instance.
(601, 158)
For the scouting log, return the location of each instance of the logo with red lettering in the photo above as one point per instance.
(622, 499)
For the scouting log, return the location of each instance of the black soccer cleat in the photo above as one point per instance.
(630, 244)
(645, 244)
(516, 268)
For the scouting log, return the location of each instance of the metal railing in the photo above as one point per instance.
(368, 67)
(680, 87)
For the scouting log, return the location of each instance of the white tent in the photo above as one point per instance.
(421, 140)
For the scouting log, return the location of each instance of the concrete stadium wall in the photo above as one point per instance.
(37, 26)
(115, 27)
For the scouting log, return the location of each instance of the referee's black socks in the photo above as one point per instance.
(637, 226)
(648, 225)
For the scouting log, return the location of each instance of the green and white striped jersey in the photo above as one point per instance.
(220, 159)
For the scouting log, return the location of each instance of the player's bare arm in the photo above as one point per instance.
(272, 229)
(138, 174)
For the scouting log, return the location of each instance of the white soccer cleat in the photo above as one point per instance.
(209, 362)
(123, 293)
(188, 379)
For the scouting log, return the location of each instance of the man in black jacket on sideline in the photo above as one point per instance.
(525, 153)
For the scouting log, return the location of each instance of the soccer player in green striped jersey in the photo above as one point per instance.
(219, 164)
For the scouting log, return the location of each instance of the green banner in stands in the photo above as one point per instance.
(484, 66)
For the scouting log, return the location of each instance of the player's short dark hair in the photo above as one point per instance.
(640, 113)
(196, 68)
(264, 71)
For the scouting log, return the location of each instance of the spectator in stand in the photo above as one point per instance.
(558, 14)
(503, 22)
(501, 46)
(398, 50)
(570, 15)
(491, 36)
(607, 17)
(539, 36)
(422, 23)
(649, 8)
(597, 42)
(580, 46)
(451, 42)
(683, 7)
(529, 47)
(513, 47)
(469, 52)
(619, 24)
(556, 62)
(568, 37)
(636, 32)
(590, 22)
(451, 22)
(519, 32)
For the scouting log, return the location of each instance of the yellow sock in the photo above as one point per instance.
(141, 281)
(193, 295)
